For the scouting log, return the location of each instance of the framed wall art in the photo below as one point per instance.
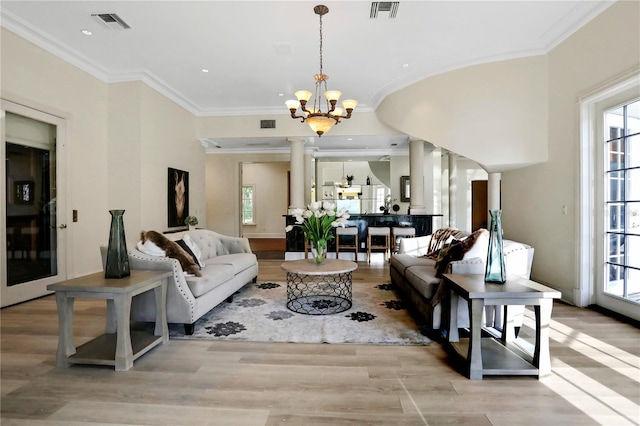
(177, 197)
(405, 189)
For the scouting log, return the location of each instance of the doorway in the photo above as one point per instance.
(33, 253)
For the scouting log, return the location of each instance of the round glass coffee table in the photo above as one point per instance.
(322, 289)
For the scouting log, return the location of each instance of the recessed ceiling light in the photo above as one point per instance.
(280, 94)
(86, 32)
(405, 65)
(205, 70)
(349, 139)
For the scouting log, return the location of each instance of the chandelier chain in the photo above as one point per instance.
(321, 45)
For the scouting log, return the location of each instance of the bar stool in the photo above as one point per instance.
(401, 232)
(352, 236)
(378, 231)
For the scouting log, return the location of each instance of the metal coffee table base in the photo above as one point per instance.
(319, 294)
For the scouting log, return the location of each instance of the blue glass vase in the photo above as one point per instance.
(495, 272)
(117, 264)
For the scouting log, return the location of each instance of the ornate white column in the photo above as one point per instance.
(453, 188)
(296, 188)
(416, 177)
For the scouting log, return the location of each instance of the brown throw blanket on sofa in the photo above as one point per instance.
(456, 251)
(172, 249)
(439, 239)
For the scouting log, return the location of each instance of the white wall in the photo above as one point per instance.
(533, 197)
(494, 114)
(270, 183)
(223, 189)
(34, 78)
(168, 140)
(121, 139)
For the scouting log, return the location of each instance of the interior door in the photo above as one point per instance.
(33, 254)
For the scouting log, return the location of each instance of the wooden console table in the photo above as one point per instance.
(503, 355)
(120, 345)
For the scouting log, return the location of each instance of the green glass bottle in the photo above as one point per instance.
(495, 271)
(117, 264)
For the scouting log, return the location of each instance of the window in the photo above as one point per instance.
(622, 201)
(248, 205)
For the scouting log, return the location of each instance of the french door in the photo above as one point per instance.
(33, 253)
(618, 288)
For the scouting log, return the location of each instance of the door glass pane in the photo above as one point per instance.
(614, 121)
(633, 286)
(615, 186)
(615, 216)
(31, 213)
(633, 118)
(632, 248)
(633, 218)
(616, 154)
(633, 151)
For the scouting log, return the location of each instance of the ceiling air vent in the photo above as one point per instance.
(267, 124)
(384, 6)
(110, 21)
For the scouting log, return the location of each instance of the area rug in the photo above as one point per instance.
(258, 313)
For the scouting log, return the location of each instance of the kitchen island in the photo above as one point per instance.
(423, 223)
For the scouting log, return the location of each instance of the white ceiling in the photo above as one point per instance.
(259, 53)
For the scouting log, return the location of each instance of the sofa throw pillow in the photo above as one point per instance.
(456, 251)
(173, 250)
(183, 244)
(195, 249)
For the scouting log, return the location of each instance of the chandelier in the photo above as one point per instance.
(319, 121)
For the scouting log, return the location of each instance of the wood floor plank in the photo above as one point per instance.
(595, 377)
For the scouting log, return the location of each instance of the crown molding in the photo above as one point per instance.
(49, 44)
(580, 15)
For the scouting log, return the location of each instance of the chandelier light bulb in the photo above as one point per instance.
(292, 104)
(303, 95)
(349, 104)
(332, 95)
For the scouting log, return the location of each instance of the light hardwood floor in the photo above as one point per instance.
(595, 377)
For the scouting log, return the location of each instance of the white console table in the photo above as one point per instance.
(500, 356)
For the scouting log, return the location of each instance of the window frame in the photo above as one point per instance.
(253, 204)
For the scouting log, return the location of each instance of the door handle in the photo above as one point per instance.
(63, 226)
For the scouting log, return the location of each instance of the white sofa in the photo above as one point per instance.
(229, 265)
(415, 277)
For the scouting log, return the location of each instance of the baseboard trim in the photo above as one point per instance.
(616, 315)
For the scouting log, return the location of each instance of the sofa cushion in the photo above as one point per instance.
(212, 277)
(238, 261)
(403, 261)
(423, 279)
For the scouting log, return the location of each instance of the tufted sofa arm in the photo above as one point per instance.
(180, 292)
